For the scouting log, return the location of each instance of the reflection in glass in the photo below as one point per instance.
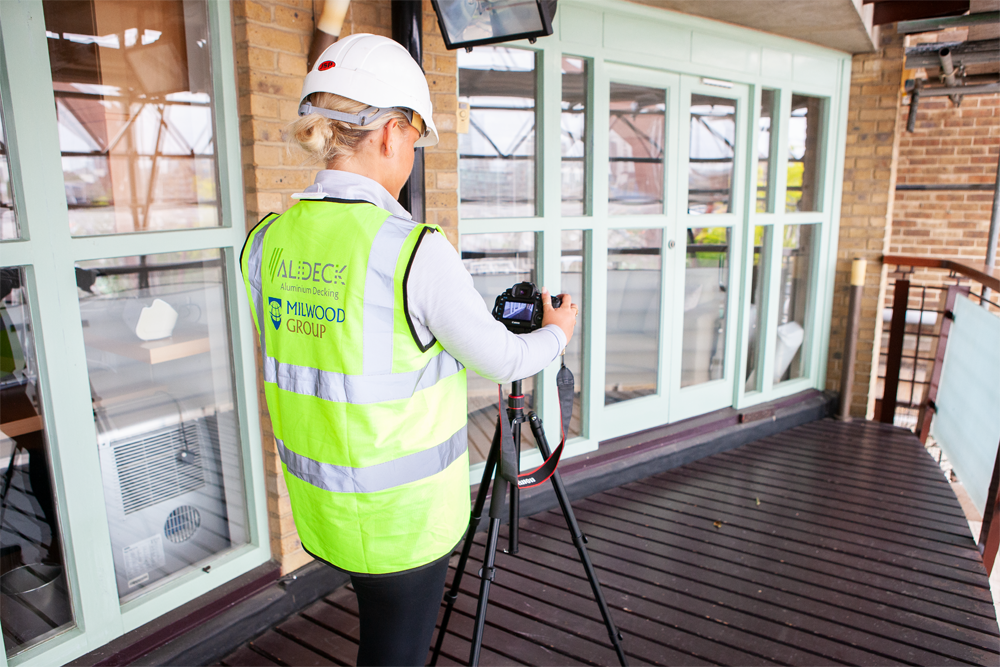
(633, 317)
(8, 214)
(765, 184)
(636, 149)
(34, 596)
(156, 332)
(132, 83)
(573, 281)
(706, 286)
(793, 299)
(710, 156)
(496, 262)
(804, 144)
(573, 143)
(758, 279)
(497, 156)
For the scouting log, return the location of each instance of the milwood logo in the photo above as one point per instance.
(274, 306)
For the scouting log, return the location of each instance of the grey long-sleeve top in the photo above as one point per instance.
(443, 303)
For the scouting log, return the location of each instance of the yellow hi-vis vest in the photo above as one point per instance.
(370, 425)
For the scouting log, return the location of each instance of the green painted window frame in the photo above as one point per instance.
(49, 253)
(688, 48)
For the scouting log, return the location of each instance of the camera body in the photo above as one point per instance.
(520, 308)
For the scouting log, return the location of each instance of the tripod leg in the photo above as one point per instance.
(489, 569)
(579, 541)
(477, 511)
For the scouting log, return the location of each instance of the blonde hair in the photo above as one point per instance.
(324, 139)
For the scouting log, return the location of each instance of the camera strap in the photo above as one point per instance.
(508, 455)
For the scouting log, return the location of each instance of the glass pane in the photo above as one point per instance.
(634, 283)
(34, 596)
(132, 83)
(765, 195)
(758, 278)
(497, 156)
(804, 146)
(156, 332)
(8, 215)
(574, 136)
(636, 149)
(793, 299)
(496, 262)
(706, 283)
(710, 158)
(573, 282)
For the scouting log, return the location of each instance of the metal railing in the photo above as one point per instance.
(920, 312)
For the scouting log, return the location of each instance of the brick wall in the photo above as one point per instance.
(272, 39)
(867, 207)
(441, 161)
(949, 145)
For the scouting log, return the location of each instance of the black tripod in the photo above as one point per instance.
(515, 413)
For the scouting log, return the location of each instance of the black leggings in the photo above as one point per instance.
(398, 613)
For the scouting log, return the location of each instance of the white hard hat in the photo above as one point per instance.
(373, 70)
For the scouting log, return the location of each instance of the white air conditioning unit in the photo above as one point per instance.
(163, 488)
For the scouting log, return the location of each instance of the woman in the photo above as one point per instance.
(367, 321)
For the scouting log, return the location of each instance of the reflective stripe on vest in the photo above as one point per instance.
(358, 389)
(379, 477)
(253, 278)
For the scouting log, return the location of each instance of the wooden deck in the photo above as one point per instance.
(830, 543)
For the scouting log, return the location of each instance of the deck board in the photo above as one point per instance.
(857, 553)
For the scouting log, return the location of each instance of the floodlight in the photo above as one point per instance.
(468, 23)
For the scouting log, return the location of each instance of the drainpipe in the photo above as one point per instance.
(851, 339)
(948, 73)
(407, 29)
(991, 243)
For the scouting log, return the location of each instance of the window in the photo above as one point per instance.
(804, 154)
(497, 155)
(574, 283)
(36, 594)
(758, 280)
(573, 142)
(132, 83)
(636, 149)
(793, 301)
(706, 283)
(496, 262)
(711, 154)
(8, 214)
(160, 366)
(633, 317)
(765, 138)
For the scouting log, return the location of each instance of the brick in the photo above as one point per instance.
(255, 11)
(294, 18)
(279, 40)
(294, 65)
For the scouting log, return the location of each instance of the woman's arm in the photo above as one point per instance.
(444, 303)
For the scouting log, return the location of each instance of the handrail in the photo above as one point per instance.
(989, 536)
(981, 275)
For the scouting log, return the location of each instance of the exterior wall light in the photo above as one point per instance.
(468, 23)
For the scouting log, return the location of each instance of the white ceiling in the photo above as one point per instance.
(844, 25)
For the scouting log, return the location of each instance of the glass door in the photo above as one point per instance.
(711, 211)
(632, 238)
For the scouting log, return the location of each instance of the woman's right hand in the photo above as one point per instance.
(564, 315)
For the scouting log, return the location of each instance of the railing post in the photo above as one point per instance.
(927, 408)
(989, 535)
(851, 338)
(894, 355)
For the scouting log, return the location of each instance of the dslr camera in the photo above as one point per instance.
(520, 308)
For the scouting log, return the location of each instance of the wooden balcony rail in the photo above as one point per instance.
(923, 320)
